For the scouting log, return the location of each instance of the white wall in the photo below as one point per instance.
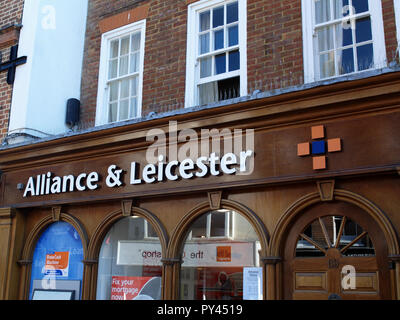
(52, 37)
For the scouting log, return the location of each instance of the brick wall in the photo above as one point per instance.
(274, 49)
(10, 15)
(389, 23)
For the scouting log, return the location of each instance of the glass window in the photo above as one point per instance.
(130, 262)
(338, 232)
(219, 52)
(342, 37)
(120, 88)
(57, 260)
(214, 262)
(351, 21)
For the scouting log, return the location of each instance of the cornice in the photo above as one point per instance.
(371, 94)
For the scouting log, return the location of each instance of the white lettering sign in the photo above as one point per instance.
(228, 164)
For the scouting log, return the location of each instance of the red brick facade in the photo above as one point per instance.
(10, 16)
(274, 50)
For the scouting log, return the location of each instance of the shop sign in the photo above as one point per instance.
(235, 254)
(228, 164)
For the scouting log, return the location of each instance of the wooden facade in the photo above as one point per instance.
(280, 198)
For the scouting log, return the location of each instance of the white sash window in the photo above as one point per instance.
(121, 74)
(216, 51)
(342, 37)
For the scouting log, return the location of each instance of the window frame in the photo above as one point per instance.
(311, 74)
(103, 87)
(192, 52)
(396, 5)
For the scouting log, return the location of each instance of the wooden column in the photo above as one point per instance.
(11, 241)
(89, 279)
(170, 273)
(395, 275)
(271, 272)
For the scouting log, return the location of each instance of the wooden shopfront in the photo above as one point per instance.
(317, 198)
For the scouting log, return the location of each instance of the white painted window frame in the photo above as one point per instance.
(396, 4)
(192, 67)
(103, 88)
(309, 39)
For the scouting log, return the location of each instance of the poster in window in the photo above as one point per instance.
(135, 288)
(57, 263)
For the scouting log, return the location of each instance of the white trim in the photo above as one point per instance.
(192, 48)
(102, 102)
(397, 14)
(22, 83)
(308, 48)
(311, 73)
(378, 33)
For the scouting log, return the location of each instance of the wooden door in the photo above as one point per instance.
(334, 257)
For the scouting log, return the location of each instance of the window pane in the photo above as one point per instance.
(360, 5)
(199, 227)
(134, 85)
(365, 56)
(325, 39)
(213, 270)
(124, 46)
(112, 116)
(346, 61)
(220, 63)
(123, 66)
(134, 62)
(135, 42)
(217, 228)
(234, 60)
(232, 12)
(363, 30)
(129, 265)
(322, 11)
(114, 91)
(208, 93)
(204, 21)
(327, 65)
(124, 110)
(340, 8)
(113, 68)
(218, 17)
(219, 39)
(134, 111)
(233, 34)
(204, 43)
(205, 67)
(124, 88)
(114, 48)
(150, 231)
(344, 36)
(63, 239)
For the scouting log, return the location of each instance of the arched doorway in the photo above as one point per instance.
(335, 250)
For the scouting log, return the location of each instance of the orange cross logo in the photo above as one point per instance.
(318, 147)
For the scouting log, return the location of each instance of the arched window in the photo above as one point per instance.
(57, 266)
(337, 232)
(130, 262)
(219, 247)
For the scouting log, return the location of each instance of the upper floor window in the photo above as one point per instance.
(216, 51)
(342, 37)
(121, 74)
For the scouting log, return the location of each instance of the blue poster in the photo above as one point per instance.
(58, 256)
